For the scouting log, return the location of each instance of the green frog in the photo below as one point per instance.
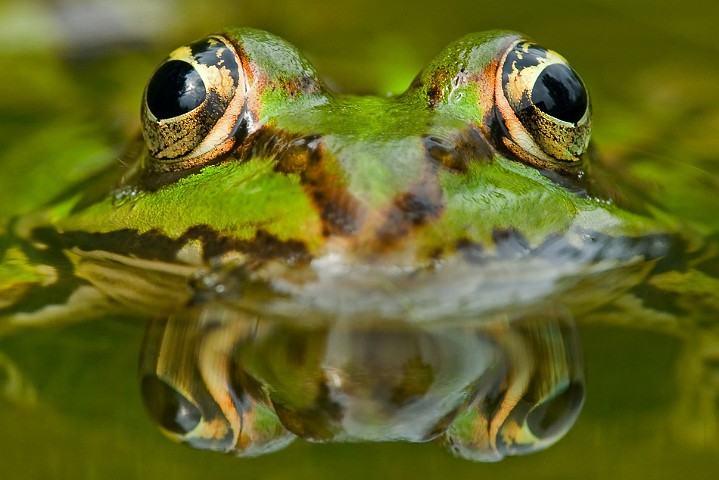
(474, 193)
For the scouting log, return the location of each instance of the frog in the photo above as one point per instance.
(471, 196)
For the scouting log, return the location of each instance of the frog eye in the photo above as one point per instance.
(544, 108)
(194, 104)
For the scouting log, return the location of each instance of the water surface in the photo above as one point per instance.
(72, 406)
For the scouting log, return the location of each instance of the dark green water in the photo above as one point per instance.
(651, 68)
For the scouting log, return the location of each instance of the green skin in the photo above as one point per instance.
(370, 191)
(360, 207)
(373, 153)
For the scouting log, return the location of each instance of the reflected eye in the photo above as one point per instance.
(194, 105)
(537, 401)
(168, 407)
(543, 106)
(552, 416)
(500, 424)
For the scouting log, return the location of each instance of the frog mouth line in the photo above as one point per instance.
(579, 246)
(154, 245)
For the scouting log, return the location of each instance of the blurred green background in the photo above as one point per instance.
(72, 77)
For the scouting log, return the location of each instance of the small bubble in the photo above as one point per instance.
(121, 197)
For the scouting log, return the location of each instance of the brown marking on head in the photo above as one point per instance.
(290, 151)
(305, 155)
(421, 203)
(154, 245)
(457, 151)
(435, 87)
(342, 214)
(302, 85)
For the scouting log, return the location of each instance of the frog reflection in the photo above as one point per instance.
(217, 380)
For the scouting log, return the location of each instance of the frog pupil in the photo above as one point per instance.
(174, 89)
(558, 92)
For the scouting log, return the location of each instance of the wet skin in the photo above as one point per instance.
(256, 187)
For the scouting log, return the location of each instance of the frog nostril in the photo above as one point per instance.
(175, 88)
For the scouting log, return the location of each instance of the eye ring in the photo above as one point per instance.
(194, 104)
(544, 106)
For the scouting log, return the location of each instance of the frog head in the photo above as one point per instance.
(247, 150)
